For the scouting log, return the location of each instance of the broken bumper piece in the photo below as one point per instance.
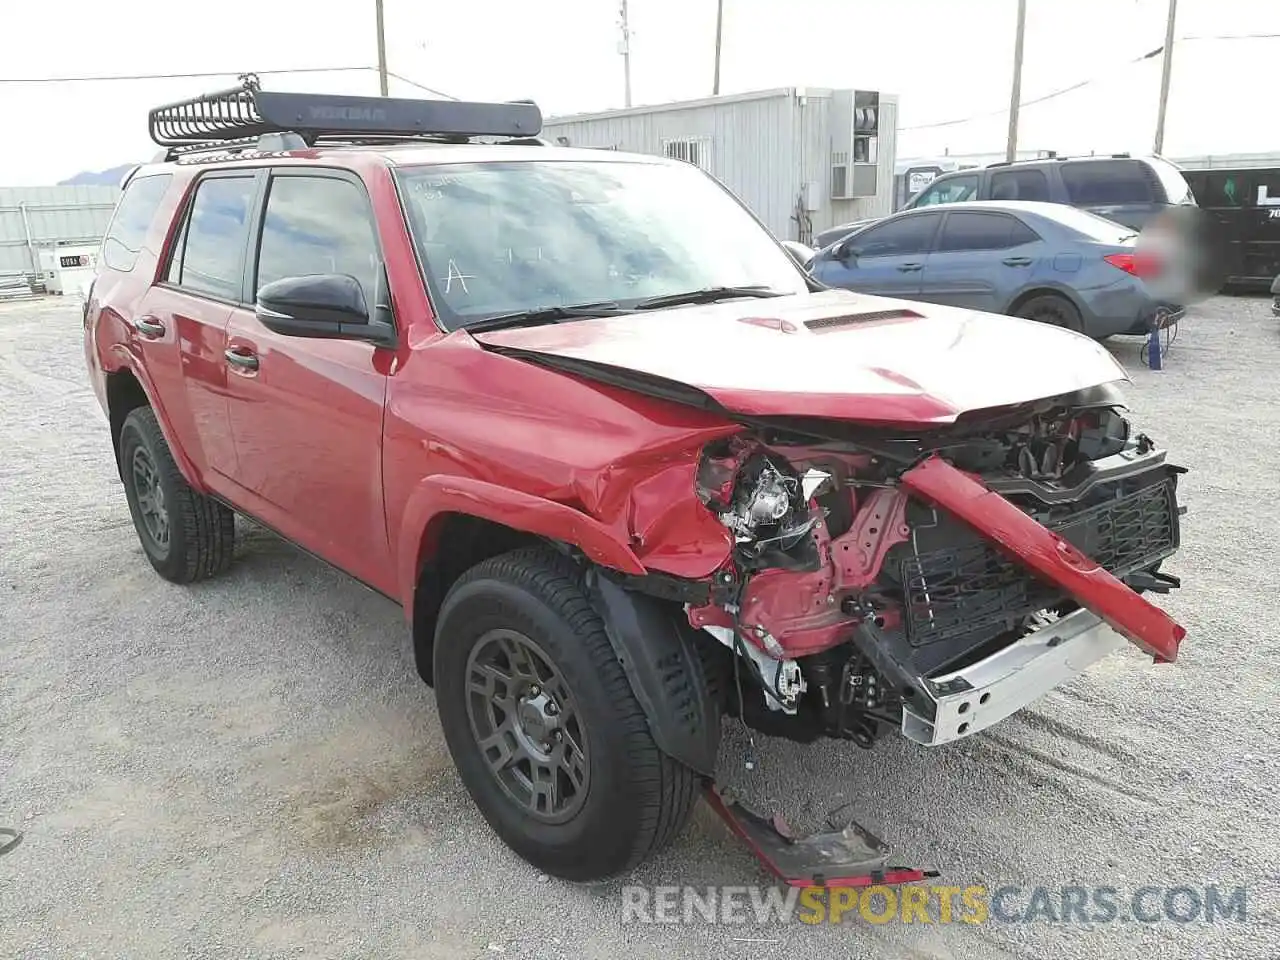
(845, 856)
(978, 696)
(1047, 555)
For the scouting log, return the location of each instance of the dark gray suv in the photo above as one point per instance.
(1128, 190)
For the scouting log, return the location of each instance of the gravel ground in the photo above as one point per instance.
(250, 767)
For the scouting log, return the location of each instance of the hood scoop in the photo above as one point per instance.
(827, 324)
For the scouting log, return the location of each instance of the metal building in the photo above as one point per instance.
(801, 159)
(36, 219)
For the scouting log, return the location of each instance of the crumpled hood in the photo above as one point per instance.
(832, 354)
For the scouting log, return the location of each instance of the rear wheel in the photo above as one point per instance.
(186, 535)
(545, 730)
(1053, 309)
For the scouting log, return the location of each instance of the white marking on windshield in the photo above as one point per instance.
(456, 274)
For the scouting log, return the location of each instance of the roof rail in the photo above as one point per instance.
(249, 117)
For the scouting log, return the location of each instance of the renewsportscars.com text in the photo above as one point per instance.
(925, 903)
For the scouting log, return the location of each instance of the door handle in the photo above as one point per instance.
(1017, 261)
(909, 267)
(242, 357)
(149, 326)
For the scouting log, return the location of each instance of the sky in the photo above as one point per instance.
(947, 60)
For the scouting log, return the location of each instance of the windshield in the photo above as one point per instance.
(498, 238)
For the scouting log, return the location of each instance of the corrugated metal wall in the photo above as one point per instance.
(752, 144)
(53, 216)
(763, 147)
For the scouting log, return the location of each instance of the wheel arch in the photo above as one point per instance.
(451, 545)
(451, 523)
(650, 637)
(124, 395)
(1044, 289)
(127, 388)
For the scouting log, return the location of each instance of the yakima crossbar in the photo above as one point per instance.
(246, 112)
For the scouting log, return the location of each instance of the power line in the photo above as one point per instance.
(1084, 83)
(225, 73)
(415, 83)
(1232, 36)
(1040, 99)
(175, 76)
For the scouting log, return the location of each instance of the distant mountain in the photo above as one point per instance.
(109, 178)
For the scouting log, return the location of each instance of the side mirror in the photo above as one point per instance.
(326, 305)
(848, 252)
(801, 254)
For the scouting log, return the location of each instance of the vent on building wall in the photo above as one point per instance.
(839, 175)
(695, 150)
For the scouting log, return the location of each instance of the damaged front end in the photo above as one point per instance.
(935, 583)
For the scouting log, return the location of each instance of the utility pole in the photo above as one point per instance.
(382, 50)
(1011, 151)
(715, 85)
(624, 47)
(1164, 76)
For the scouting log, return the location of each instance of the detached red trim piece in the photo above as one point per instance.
(1048, 555)
(892, 877)
(844, 857)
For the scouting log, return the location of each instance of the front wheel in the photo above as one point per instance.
(543, 726)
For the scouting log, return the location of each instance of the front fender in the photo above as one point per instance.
(436, 497)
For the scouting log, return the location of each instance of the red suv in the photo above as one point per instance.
(625, 467)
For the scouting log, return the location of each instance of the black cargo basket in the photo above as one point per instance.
(247, 112)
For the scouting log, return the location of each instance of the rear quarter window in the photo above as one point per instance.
(1107, 182)
(1176, 188)
(132, 219)
(1091, 226)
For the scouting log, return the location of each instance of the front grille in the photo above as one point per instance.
(973, 589)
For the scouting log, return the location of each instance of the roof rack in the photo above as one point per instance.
(1055, 156)
(244, 115)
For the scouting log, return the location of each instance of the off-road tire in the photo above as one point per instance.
(1053, 309)
(638, 798)
(201, 530)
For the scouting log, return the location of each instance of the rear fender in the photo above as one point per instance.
(121, 359)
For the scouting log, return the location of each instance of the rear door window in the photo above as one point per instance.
(209, 258)
(982, 231)
(132, 220)
(1107, 182)
(1019, 185)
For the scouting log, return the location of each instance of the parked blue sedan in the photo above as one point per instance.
(1044, 261)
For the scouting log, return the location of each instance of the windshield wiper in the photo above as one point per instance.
(541, 315)
(706, 295)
